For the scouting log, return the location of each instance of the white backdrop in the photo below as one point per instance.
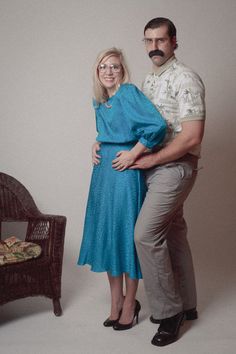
(47, 123)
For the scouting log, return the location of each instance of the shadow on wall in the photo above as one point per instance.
(211, 219)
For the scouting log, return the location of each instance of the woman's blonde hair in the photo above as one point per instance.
(100, 92)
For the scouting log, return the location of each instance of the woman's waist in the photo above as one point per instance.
(111, 149)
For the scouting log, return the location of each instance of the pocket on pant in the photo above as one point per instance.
(186, 171)
(173, 176)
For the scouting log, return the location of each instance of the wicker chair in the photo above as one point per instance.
(40, 276)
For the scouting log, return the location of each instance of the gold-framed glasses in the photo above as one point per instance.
(115, 68)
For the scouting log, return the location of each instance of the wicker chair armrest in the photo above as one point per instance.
(49, 232)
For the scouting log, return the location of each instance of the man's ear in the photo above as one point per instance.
(174, 42)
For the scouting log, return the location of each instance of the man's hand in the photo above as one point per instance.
(95, 156)
(124, 160)
(144, 162)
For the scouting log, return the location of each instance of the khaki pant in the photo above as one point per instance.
(161, 238)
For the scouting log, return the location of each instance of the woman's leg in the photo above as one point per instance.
(117, 296)
(129, 302)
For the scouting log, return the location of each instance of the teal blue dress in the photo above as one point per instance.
(115, 198)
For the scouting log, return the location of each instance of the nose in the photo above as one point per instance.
(109, 70)
(154, 44)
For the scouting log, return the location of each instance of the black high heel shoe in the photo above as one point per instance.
(111, 323)
(121, 327)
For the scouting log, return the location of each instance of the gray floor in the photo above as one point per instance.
(28, 326)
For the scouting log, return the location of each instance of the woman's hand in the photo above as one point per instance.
(124, 160)
(95, 156)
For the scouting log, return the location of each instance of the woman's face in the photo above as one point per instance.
(110, 73)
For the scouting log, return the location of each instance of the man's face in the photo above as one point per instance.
(160, 47)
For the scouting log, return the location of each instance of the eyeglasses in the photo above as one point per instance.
(115, 68)
(149, 41)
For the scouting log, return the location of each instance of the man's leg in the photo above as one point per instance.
(168, 187)
(181, 260)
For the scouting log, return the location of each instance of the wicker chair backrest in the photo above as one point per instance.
(16, 203)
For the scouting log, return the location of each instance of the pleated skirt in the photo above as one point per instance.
(114, 201)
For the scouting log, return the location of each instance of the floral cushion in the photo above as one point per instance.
(13, 250)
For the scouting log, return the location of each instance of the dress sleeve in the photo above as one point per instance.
(144, 120)
(95, 106)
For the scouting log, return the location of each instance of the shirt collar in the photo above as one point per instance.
(160, 69)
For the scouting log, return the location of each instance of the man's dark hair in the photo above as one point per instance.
(161, 21)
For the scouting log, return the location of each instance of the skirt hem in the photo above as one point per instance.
(112, 273)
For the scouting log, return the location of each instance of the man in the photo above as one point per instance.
(160, 235)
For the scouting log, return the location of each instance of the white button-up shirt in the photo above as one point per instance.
(179, 95)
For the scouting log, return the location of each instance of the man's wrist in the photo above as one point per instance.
(156, 160)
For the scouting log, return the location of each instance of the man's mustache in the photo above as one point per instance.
(156, 52)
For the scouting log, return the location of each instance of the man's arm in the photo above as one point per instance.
(190, 136)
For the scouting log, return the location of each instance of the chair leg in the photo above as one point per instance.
(57, 307)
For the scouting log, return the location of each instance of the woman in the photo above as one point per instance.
(127, 124)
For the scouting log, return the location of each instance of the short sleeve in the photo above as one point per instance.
(144, 120)
(191, 97)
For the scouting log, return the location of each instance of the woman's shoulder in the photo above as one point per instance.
(129, 89)
(95, 103)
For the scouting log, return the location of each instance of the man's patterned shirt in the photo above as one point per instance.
(179, 95)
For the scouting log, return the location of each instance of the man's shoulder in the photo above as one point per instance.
(179, 65)
(176, 69)
(178, 75)
(184, 72)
